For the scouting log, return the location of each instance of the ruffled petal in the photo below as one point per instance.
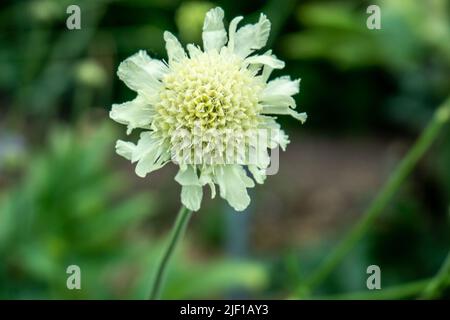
(266, 59)
(191, 197)
(277, 137)
(258, 174)
(206, 178)
(252, 37)
(137, 113)
(233, 183)
(191, 191)
(232, 32)
(142, 74)
(286, 110)
(281, 86)
(187, 176)
(150, 154)
(281, 104)
(276, 98)
(214, 34)
(193, 50)
(175, 51)
(125, 149)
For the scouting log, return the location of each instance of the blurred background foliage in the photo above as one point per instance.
(70, 208)
(66, 198)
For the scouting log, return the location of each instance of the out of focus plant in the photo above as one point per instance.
(337, 31)
(61, 213)
(435, 127)
(69, 209)
(413, 44)
(36, 57)
(189, 19)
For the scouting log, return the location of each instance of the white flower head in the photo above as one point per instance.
(208, 109)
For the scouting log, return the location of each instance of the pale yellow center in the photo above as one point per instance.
(209, 91)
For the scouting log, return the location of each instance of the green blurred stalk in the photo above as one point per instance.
(402, 291)
(177, 232)
(439, 282)
(404, 168)
(430, 288)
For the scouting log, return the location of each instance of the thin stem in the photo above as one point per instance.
(430, 288)
(439, 282)
(402, 291)
(177, 232)
(404, 168)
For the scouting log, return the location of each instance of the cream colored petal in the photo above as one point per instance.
(233, 183)
(142, 74)
(187, 176)
(232, 32)
(252, 37)
(285, 110)
(137, 113)
(265, 59)
(281, 86)
(193, 50)
(191, 191)
(125, 149)
(191, 197)
(175, 51)
(280, 138)
(214, 34)
(150, 154)
(206, 177)
(258, 174)
(276, 98)
(277, 137)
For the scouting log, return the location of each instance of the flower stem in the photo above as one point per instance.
(177, 232)
(439, 282)
(401, 291)
(430, 288)
(404, 168)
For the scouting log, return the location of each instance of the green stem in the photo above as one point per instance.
(404, 168)
(177, 232)
(430, 288)
(402, 291)
(439, 282)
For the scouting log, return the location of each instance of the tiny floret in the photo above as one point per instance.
(209, 111)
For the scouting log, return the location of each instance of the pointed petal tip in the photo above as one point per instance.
(302, 117)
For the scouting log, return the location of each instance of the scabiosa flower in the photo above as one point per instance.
(198, 105)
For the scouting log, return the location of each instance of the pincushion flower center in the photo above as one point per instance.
(209, 91)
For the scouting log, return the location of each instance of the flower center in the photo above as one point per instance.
(209, 91)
